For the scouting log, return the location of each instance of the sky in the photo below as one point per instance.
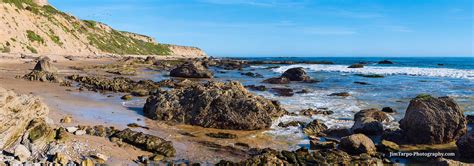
(293, 27)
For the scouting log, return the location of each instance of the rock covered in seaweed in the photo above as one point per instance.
(214, 105)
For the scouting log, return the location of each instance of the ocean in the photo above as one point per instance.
(402, 81)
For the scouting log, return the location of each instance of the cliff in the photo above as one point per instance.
(35, 27)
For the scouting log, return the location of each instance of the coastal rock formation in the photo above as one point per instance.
(385, 62)
(213, 105)
(43, 71)
(296, 74)
(357, 144)
(465, 145)
(430, 120)
(356, 66)
(368, 126)
(16, 114)
(192, 69)
(293, 74)
(372, 113)
(147, 142)
(315, 128)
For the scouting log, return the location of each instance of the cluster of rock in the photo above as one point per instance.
(214, 105)
(191, 69)
(293, 74)
(44, 71)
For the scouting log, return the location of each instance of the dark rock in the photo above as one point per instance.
(385, 62)
(367, 126)
(44, 71)
(357, 144)
(361, 83)
(371, 75)
(283, 91)
(147, 142)
(292, 123)
(126, 97)
(134, 125)
(256, 88)
(315, 128)
(213, 105)
(303, 91)
(277, 80)
(253, 75)
(372, 113)
(465, 145)
(222, 135)
(388, 110)
(338, 132)
(430, 120)
(470, 119)
(191, 70)
(394, 136)
(342, 94)
(356, 66)
(44, 65)
(311, 112)
(296, 74)
(317, 145)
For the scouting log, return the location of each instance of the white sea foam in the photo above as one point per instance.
(412, 71)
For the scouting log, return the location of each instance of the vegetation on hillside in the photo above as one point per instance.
(113, 41)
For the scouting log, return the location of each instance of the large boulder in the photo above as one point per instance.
(466, 145)
(44, 64)
(213, 105)
(16, 114)
(372, 113)
(357, 144)
(369, 121)
(430, 120)
(192, 69)
(296, 74)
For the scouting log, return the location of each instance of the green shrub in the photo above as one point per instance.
(33, 37)
(5, 49)
(32, 49)
(424, 96)
(90, 23)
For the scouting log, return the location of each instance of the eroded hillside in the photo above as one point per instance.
(33, 26)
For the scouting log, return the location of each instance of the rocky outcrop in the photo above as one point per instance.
(16, 114)
(186, 51)
(44, 71)
(147, 142)
(213, 105)
(293, 74)
(465, 145)
(315, 128)
(192, 69)
(385, 62)
(357, 144)
(430, 120)
(296, 74)
(356, 66)
(369, 121)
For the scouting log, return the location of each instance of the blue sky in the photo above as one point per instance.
(294, 27)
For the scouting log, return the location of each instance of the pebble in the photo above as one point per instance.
(71, 129)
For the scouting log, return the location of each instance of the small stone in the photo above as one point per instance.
(316, 145)
(127, 97)
(87, 162)
(66, 119)
(100, 156)
(157, 157)
(60, 158)
(342, 94)
(80, 132)
(388, 110)
(71, 129)
(22, 152)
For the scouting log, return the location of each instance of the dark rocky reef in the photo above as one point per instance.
(191, 69)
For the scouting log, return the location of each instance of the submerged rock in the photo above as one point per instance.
(356, 66)
(277, 80)
(342, 94)
(222, 135)
(430, 120)
(291, 123)
(385, 62)
(191, 69)
(283, 91)
(147, 142)
(214, 105)
(388, 110)
(357, 144)
(256, 88)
